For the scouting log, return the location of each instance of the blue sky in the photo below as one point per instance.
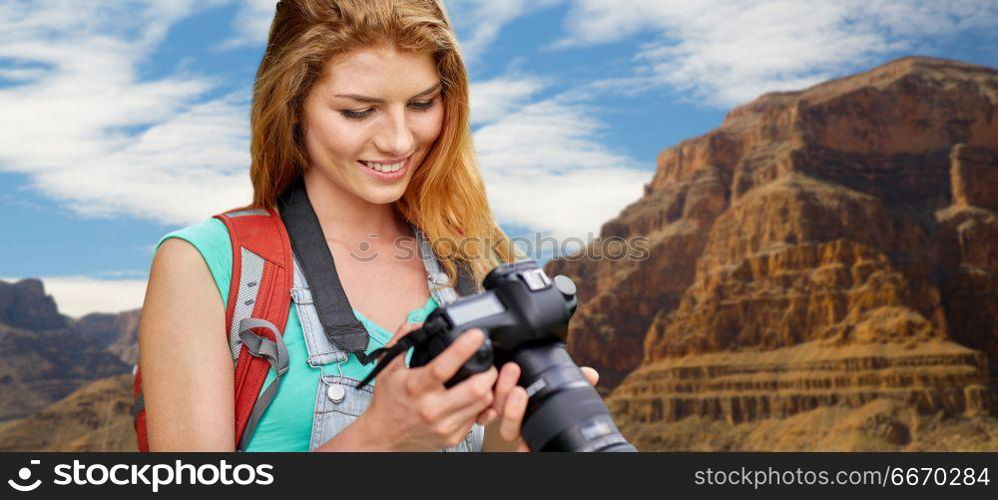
(125, 120)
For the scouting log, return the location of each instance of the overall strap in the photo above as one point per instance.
(437, 278)
(465, 280)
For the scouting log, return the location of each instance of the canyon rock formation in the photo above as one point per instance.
(833, 249)
(45, 356)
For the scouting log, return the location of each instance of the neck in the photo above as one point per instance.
(343, 215)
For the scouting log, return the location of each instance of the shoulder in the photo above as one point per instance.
(205, 243)
(180, 332)
(208, 236)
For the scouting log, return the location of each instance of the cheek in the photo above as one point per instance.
(330, 139)
(428, 126)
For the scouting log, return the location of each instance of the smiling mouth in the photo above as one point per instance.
(386, 168)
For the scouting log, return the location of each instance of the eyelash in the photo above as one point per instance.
(360, 115)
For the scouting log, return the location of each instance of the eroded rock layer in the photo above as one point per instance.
(827, 247)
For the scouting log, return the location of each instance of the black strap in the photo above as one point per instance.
(390, 353)
(414, 338)
(309, 244)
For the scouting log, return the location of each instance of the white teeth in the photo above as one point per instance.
(385, 168)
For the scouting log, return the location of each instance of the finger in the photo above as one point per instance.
(508, 377)
(465, 401)
(447, 363)
(488, 416)
(591, 375)
(512, 415)
(402, 331)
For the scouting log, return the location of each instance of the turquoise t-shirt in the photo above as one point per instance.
(287, 423)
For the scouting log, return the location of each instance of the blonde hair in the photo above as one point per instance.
(446, 196)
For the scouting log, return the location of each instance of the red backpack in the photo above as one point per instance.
(258, 306)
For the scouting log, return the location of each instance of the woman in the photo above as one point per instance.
(364, 103)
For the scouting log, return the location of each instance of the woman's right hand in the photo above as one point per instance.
(411, 410)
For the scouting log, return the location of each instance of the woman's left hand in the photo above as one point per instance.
(503, 419)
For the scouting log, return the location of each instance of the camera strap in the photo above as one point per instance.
(411, 339)
(309, 245)
(339, 323)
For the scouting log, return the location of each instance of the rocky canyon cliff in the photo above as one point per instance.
(64, 382)
(826, 261)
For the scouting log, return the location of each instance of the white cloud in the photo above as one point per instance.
(496, 98)
(80, 295)
(71, 115)
(69, 119)
(483, 20)
(252, 24)
(727, 52)
(546, 168)
(179, 171)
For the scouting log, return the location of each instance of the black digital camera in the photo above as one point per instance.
(524, 315)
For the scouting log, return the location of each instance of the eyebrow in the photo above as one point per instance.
(373, 100)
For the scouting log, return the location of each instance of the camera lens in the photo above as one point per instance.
(564, 413)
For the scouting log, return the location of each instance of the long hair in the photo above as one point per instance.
(446, 196)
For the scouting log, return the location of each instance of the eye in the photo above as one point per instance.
(360, 115)
(357, 115)
(424, 105)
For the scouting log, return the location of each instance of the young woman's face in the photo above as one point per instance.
(371, 118)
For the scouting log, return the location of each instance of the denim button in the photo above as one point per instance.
(336, 393)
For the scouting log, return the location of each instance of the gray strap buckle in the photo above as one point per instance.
(276, 354)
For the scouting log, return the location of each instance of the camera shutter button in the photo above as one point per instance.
(565, 285)
(336, 393)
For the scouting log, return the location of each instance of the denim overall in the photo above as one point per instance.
(337, 400)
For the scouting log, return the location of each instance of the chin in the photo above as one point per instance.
(383, 196)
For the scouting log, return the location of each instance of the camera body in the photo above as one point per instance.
(524, 315)
(520, 306)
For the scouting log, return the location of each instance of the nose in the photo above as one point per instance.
(395, 139)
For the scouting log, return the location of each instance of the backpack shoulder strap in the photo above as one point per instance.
(259, 300)
(257, 310)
